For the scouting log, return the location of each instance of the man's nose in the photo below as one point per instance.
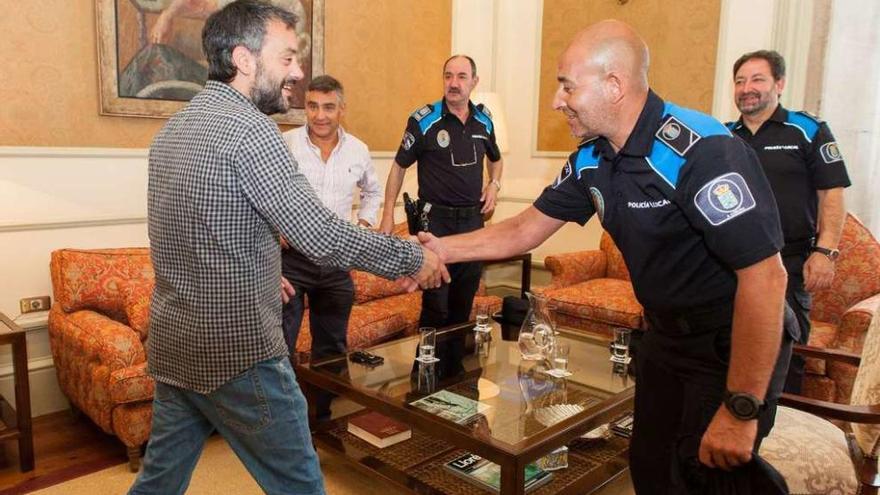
(296, 72)
(558, 101)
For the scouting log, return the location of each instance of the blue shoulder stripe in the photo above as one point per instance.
(432, 118)
(663, 159)
(733, 125)
(586, 158)
(702, 124)
(483, 119)
(807, 125)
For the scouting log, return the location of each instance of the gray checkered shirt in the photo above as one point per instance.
(222, 185)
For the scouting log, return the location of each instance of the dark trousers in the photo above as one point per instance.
(451, 303)
(681, 374)
(800, 302)
(331, 295)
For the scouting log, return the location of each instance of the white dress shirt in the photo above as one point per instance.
(349, 165)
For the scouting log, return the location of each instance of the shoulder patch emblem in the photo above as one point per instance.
(408, 141)
(810, 115)
(564, 174)
(677, 136)
(724, 198)
(485, 110)
(830, 152)
(420, 113)
(598, 202)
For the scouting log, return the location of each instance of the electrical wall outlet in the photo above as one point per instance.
(31, 304)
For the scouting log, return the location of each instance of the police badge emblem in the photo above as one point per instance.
(671, 131)
(443, 138)
(724, 198)
(830, 152)
(408, 141)
(598, 202)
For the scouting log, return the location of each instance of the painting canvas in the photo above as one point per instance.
(150, 53)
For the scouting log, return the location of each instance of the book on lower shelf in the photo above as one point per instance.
(487, 474)
(378, 430)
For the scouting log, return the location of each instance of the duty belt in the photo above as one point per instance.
(450, 211)
(691, 320)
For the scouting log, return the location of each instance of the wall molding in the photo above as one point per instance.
(41, 363)
(71, 224)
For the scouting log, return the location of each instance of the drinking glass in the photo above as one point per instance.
(620, 345)
(482, 318)
(427, 343)
(559, 356)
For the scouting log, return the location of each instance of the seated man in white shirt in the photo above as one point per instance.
(334, 162)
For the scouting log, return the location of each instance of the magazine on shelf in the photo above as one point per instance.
(451, 406)
(378, 430)
(487, 474)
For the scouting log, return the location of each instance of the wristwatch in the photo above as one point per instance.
(497, 183)
(832, 254)
(743, 406)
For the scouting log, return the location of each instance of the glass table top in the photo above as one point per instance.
(483, 385)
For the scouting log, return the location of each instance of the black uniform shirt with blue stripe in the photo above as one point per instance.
(450, 154)
(685, 201)
(799, 156)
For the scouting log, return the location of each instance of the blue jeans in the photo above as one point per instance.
(262, 415)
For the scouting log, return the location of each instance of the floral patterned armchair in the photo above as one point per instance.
(97, 332)
(816, 456)
(840, 314)
(592, 291)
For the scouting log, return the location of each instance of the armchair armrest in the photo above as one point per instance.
(855, 321)
(829, 354)
(100, 339)
(571, 268)
(844, 412)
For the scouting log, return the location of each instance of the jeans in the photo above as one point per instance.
(261, 413)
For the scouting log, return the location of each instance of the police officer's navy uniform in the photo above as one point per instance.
(450, 177)
(687, 205)
(799, 156)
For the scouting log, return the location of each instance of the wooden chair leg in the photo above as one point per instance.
(134, 458)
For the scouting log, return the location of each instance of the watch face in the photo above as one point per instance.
(742, 406)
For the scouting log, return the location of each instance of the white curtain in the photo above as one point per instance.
(851, 101)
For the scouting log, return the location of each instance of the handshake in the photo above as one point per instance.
(433, 271)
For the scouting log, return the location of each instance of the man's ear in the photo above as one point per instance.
(780, 85)
(244, 60)
(614, 87)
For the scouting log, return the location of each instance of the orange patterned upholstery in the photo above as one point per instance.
(841, 314)
(591, 290)
(100, 360)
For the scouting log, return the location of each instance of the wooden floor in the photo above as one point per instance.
(65, 446)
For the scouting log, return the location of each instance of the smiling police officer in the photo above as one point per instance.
(691, 211)
(807, 174)
(449, 139)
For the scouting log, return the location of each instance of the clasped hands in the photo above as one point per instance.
(433, 271)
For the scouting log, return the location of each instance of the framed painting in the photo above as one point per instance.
(150, 58)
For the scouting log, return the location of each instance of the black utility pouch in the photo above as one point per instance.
(412, 214)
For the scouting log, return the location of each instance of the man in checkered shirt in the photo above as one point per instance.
(222, 188)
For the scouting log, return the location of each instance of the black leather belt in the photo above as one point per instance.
(452, 211)
(691, 320)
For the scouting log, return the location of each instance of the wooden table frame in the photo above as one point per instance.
(18, 420)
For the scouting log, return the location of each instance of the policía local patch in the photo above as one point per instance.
(723, 198)
(830, 152)
(443, 138)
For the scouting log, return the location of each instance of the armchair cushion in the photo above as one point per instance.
(90, 279)
(866, 391)
(810, 453)
(606, 300)
(368, 287)
(571, 268)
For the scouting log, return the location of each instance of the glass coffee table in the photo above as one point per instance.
(513, 413)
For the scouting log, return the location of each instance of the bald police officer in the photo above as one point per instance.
(695, 219)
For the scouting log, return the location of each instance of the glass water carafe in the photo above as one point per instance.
(536, 335)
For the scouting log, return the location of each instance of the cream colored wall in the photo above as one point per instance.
(56, 197)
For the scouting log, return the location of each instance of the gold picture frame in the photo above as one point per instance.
(151, 67)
